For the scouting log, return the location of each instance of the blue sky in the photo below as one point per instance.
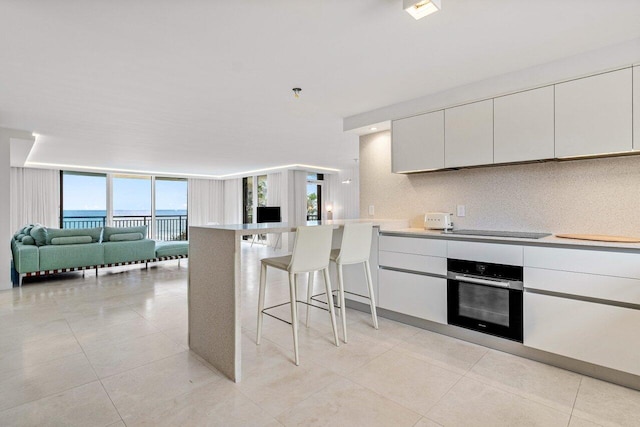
(84, 192)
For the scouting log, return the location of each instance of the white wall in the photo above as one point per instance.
(5, 206)
(596, 196)
(5, 210)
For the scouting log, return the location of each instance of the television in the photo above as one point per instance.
(269, 214)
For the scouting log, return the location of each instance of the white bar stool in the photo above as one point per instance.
(311, 251)
(354, 249)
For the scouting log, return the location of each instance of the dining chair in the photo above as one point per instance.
(355, 248)
(311, 253)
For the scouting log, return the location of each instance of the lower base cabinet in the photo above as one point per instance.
(416, 295)
(596, 333)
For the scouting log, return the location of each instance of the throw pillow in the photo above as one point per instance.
(71, 240)
(39, 234)
(125, 237)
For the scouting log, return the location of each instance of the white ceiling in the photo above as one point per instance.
(204, 86)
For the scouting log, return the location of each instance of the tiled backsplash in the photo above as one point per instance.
(600, 196)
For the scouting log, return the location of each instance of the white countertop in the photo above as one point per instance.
(284, 227)
(545, 241)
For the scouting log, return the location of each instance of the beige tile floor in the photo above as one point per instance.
(112, 351)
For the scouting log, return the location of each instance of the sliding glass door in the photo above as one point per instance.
(96, 200)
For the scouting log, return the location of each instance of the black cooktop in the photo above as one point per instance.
(491, 233)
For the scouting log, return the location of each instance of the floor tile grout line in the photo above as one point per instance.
(63, 390)
(506, 390)
(145, 364)
(573, 408)
(99, 379)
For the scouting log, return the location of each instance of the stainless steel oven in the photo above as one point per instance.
(485, 297)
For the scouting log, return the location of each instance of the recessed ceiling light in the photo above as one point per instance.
(374, 128)
(420, 9)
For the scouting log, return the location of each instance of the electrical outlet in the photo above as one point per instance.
(371, 211)
(461, 210)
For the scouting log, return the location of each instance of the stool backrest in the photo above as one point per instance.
(311, 249)
(356, 243)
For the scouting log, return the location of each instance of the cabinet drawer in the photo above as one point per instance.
(485, 252)
(415, 295)
(421, 263)
(595, 333)
(609, 288)
(414, 245)
(618, 264)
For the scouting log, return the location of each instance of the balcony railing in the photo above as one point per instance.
(168, 227)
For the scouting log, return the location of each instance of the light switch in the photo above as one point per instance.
(461, 210)
(371, 211)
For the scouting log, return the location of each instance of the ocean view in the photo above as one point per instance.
(169, 224)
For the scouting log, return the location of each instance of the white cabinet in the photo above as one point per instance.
(414, 245)
(618, 289)
(596, 333)
(594, 114)
(606, 263)
(418, 143)
(636, 108)
(485, 252)
(523, 126)
(412, 262)
(469, 135)
(415, 295)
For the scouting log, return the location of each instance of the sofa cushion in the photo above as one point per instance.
(95, 233)
(71, 240)
(53, 257)
(138, 250)
(19, 237)
(28, 240)
(125, 237)
(39, 234)
(164, 249)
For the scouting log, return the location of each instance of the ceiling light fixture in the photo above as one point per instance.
(420, 9)
(374, 128)
(296, 92)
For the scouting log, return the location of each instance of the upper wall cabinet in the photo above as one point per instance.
(636, 108)
(594, 115)
(469, 134)
(418, 143)
(523, 126)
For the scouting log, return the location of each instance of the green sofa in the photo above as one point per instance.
(39, 251)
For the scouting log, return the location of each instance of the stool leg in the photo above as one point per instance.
(343, 306)
(372, 298)
(309, 293)
(294, 316)
(332, 314)
(263, 283)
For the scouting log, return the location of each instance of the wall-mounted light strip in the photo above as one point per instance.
(176, 174)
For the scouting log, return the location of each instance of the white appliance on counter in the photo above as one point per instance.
(438, 221)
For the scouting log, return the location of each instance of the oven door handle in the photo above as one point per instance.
(496, 283)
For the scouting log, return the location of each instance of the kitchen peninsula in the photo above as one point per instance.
(214, 287)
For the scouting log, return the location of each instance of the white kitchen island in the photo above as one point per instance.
(215, 287)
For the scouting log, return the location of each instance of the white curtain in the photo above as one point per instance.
(299, 197)
(344, 197)
(35, 197)
(276, 194)
(233, 201)
(274, 189)
(206, 201)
